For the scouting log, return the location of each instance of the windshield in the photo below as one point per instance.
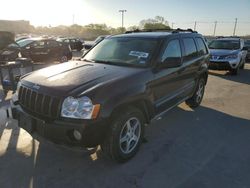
(225, 44)
(24, 42)
(247, 43)
(123, 51)
(13, 45)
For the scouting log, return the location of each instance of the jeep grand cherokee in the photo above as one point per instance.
(119, 86)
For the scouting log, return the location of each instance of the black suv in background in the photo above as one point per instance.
(120, 85)
(75, 44)
(37, 49)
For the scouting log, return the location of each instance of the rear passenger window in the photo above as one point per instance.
(52, 44)
(202, 50)
(173, 50)
(190, 48)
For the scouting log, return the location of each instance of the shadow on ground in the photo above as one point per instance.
(242, 77)
(201, 148)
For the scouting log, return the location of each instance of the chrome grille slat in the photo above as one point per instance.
(38, 103)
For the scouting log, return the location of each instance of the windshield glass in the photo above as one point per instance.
(24, 42)
(247, 43)
(13, 45)
(123, 51)
(225, 44)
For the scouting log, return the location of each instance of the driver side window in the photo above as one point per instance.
(173, 50)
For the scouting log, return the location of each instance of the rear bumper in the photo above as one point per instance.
(61, 131)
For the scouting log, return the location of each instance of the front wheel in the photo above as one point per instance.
(243, 65)
(63, 59)
(196, 99)
(125, 136)
(235, 71)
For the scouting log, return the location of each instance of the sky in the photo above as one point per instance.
(179, 13)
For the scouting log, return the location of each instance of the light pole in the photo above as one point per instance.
(173, 25)
(195, 23)
(122, 12)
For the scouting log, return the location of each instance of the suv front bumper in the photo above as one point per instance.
(61, 131)
(223, 65)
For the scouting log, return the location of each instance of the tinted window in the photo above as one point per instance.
(123, 51)
(225, 44)
(201, 46)
(38, 44)
(52, 44)
(173, 50)
(190, 48)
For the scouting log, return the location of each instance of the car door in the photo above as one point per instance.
(167, 83)
(38, 51)
(190, 66)
(54, 50)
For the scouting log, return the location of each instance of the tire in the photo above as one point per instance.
(125, 135)
(196, 99)
(63, 59)
(235, 71)
(243, 65)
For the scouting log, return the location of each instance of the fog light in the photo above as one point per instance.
(77, 135)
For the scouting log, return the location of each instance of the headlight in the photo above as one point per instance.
(79, 108)
(232, 56)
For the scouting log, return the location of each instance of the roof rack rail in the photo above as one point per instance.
(178, 30)
(218, 37)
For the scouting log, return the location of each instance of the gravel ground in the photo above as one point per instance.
(206, 147)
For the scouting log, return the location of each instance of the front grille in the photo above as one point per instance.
(38, 104)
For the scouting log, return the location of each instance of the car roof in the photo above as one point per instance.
(229, 39)
(154, 34)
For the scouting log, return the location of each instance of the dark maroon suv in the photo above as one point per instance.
(117, 88)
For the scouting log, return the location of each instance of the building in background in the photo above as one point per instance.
(17, 26)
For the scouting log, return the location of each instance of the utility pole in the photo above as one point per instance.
(122, 12)
(73, 19)
(235, 25)
(195, 25)
(215, 25)
(172, 25)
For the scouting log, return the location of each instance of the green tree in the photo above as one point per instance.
(157, 23)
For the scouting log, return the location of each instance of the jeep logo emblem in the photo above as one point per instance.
(36, 87)
(215, 57)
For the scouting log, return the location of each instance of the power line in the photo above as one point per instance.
(215, 25)
(235, 25)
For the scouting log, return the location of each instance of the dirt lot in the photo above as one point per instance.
(207, 147)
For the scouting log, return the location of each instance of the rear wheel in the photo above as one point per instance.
(125, 136)
(63, 59)
(196, 99)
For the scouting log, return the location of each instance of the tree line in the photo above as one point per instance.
(91, 31)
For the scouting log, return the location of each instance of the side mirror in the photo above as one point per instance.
(244, 48)
(171, 62)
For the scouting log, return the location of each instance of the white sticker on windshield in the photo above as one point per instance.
(138, 54)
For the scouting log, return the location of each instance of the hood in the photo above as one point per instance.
(74, 77)
(221, 52)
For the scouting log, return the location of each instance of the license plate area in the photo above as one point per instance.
(26, 122)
